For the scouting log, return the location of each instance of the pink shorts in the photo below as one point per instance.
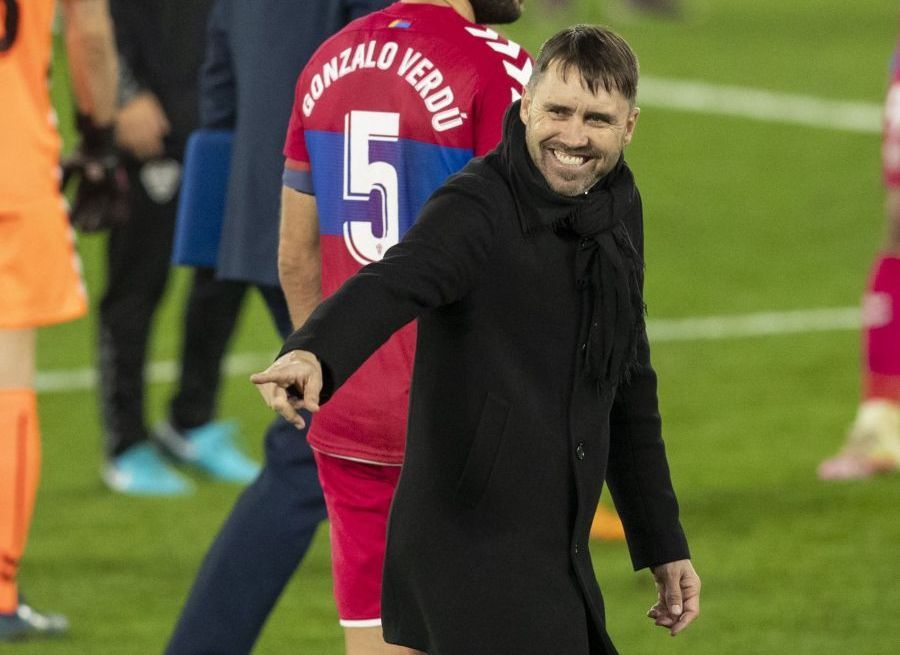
(358, 497)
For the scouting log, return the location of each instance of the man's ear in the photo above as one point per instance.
(630, 123)
(525, 106)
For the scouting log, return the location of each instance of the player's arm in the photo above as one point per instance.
(92, 58)
(299, 267)
(141, 121)
(101, 197)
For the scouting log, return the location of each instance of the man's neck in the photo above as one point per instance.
(461, 7)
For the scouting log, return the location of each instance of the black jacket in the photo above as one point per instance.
(160, 45)
(509, 442)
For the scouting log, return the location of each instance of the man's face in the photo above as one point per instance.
(574, 137)
(496, 12)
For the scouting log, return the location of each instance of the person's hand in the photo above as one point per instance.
(678, 600)
(100, 199)
(292, 382)
(141, 125)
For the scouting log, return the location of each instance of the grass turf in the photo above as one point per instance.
(741, 216)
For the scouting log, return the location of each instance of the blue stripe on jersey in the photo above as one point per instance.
(421, 168)
(297, 180)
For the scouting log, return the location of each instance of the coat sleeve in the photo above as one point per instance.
(435, 264)
(638, 471)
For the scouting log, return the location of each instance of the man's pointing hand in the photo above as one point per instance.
(292, 382)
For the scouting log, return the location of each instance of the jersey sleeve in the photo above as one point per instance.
(505, 70)
(297, 173)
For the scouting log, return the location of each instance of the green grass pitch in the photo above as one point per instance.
(742, 216)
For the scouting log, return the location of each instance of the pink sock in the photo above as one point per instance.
(881, 331)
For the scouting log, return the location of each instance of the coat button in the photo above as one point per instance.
(579, 450)
(585, 243)
(576, 549)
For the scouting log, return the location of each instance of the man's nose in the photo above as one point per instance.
(573, 134)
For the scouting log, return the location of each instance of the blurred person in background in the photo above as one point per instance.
(40, 277)
(160, 46)
(254, 54)
(872, 444)
(425, 90)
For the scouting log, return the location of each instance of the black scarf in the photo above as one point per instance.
(608, 268)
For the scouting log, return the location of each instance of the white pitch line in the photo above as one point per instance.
(79, 379)
(708, 328)
(760, 104)
(717, 328)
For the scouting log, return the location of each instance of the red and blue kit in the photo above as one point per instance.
(384, 112)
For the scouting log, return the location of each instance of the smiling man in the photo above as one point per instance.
(532, 380)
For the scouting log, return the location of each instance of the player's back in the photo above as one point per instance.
(29, 143)
(392, 105)
(384, 112)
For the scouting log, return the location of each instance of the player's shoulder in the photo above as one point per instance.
(447, 37)
(348, 33)
(486, 50)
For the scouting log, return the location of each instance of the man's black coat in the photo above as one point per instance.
(508, 442)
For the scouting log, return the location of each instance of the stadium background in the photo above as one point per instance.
(755, 204)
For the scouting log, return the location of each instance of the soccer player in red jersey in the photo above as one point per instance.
(384, 112)
(40, 277)
(873, 442)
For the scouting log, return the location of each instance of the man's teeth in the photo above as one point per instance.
(569, 160)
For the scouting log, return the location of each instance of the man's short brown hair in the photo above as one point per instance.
(600, 56)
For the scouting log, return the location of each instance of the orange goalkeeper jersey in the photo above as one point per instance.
(29, 142)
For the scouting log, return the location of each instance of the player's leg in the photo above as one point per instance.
(137, 270)
(358, 497)
(190, 434)
(40, 283)
(19, 457)
(20, 463)
(873, 442)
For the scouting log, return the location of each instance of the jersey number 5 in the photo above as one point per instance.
(10, 25)
(362, 177)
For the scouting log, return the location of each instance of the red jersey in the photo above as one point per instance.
(384, 112)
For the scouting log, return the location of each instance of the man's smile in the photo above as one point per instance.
(570, 160)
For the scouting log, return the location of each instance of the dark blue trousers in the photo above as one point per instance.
(261, 543)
